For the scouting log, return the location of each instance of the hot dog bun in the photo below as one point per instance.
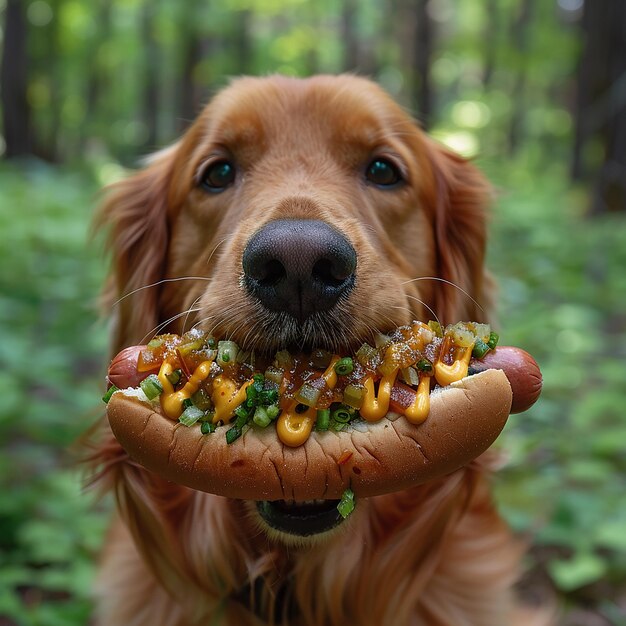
(374, 458)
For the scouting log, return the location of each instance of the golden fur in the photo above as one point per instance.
(435, 555)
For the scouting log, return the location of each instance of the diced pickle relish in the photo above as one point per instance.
(220, 383)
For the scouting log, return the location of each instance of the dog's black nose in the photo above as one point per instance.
(298, 266)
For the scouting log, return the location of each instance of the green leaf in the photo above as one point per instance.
(582, 569)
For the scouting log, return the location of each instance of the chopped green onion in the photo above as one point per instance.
(242, 411)
(190, 415)
(344, 366)
(323, 419)
(157, 342)
(242, 420)
(110, 391)
(342, 414)
(211, 342)
(187, 402)
(226, 352)
(252, 392)
(151, 386)
(174, 376)
(346, 504)
(353, 395)
(309, 395)
(261, 417)
(337, 426)
(207, 428)
(424, 365)
(268, 396)
(232, 434)
(273, 410)
(493, 340)
(480, 349)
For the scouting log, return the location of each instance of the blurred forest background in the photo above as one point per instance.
(534, 90)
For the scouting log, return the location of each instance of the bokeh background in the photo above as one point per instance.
(534, 90)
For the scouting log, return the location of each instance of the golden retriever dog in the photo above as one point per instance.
(300, 212)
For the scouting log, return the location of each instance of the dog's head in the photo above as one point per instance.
(297, 212)
(309, 212)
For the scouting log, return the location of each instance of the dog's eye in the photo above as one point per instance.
(218, 176)
(383, 173)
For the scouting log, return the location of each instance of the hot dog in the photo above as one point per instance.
(417, 407)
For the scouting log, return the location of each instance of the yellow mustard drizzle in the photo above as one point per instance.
(172, 401)
(294, 428)
(376, 407)
(446, 374)
(227, 397)
(420, 408)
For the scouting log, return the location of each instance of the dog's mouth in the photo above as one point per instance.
(301, 519)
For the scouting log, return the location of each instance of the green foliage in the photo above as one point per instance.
(561, 276)
(563, 295)
(51, 367)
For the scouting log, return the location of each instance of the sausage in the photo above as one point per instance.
(520, 368)
(123, 371)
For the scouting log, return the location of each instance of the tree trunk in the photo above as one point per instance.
(519, 35)
(243, 53)
(56, 99)
(491, 41)
(97, 79)
(189, 101)
(150, 95)
(414, 31)
(423, 91)
(350, 36)
(16, 115)
(610, 188)
(590, 79)
(601, 104)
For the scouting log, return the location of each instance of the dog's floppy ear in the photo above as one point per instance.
(136, 212)
(459, 196)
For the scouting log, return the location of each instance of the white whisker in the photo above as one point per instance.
(217, 245)
(425, 306)
(157, 283)
(157, 329)
(447, 282)
(192, 309)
